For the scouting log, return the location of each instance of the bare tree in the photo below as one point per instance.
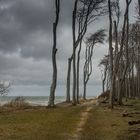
(104, 65)
(91, 41)
(124, 42)
(135, 43)
(118, 66)
(74, 51)
(54, 51)
(4, 87)
(95, 12)
(86, 11)
(110, 53)
(116, 17)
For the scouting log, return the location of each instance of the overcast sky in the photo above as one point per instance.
(26, 42)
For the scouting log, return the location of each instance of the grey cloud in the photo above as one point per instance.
(26, 41)
(23, 71)
(22, 20)
(34, 14)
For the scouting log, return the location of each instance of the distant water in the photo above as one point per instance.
(33, 100)
(38, 95)
(34, 90)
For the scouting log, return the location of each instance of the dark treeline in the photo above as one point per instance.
(121, 66)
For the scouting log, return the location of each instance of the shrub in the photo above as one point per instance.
(18, 102)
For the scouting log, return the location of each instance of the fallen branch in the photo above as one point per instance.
(129, 105)
(135, 129)
(134, 122)
(129, 114)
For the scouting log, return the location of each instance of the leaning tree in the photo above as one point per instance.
(91, 42)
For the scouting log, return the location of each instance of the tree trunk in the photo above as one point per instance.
(78, 65)
(54, 50)
(133, 82)
(125, 26)
(86, 70)
(116, 64)
(111, 55)
(74, 52)
(68, 80)
(120, 93)
(103, 86)
(84, 94)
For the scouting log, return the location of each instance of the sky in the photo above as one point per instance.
(26, 45)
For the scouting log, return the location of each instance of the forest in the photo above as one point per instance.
(120, 67)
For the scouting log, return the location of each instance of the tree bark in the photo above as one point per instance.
(111, 54)
(78, 65)
(126, 24)
(74, 52)
(68, 80)
(54, 51)
(85, 88)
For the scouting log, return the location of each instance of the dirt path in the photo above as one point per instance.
(84, 117)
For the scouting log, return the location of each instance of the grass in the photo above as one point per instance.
(107, 124)
(60, 123)
(41, 124)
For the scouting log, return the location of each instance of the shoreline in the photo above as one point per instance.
(8, 108)
(37, 100)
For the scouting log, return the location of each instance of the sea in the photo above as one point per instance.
(38, 95)
(35, 100)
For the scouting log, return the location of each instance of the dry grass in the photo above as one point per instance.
(40, 124)
(107, 124)
(19, 103)
(60, 123)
